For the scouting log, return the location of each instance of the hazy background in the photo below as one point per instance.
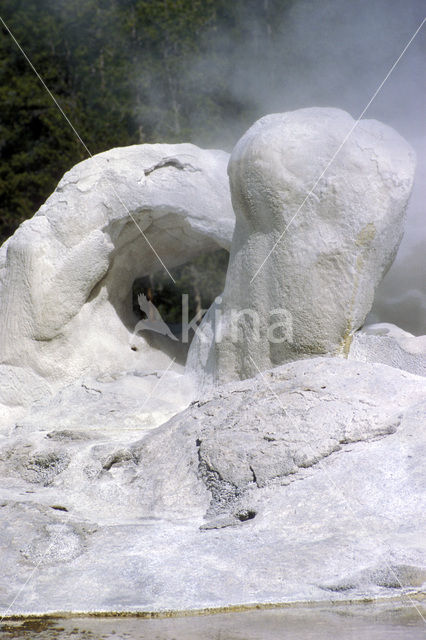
(336, 53)
(134, 71)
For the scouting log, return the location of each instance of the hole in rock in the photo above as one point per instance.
(197, 265)
(198, 283)
(245, 514)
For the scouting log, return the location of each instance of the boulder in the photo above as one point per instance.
(319, 203)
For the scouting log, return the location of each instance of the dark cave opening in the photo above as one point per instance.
(197, 284)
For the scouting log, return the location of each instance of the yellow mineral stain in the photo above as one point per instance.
(366, 235)
(410, 595)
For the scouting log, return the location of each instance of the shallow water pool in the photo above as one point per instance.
(355, 622)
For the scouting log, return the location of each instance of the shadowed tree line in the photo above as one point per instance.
(125, 72)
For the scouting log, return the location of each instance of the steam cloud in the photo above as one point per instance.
(336, 53)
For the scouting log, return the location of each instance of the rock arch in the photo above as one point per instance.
(66, 275)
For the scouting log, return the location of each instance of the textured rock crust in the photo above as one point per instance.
(66, 275)
(388, 344)
(302, 484)
(338, 243)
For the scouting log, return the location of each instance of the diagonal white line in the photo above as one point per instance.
(339, 491)
(157, 383)
(144, 236)
(44, 84)
(34, 571)
(85, 146)
(30, 577)
(341, 145)
(142, 233)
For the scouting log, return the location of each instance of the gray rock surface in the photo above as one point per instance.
(306, 483)
(66, 275)
(117, 493)
(123, 404)
(318, 224)
(384, 342)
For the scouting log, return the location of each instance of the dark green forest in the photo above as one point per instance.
(124, 72)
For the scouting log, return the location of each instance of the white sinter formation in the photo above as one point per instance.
(309, 263)
(66, 275)
(304, 483)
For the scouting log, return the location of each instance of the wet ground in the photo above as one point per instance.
(365, 622)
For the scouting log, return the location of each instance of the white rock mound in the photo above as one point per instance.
(303, 484)
(66, 275)
(303, 270)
